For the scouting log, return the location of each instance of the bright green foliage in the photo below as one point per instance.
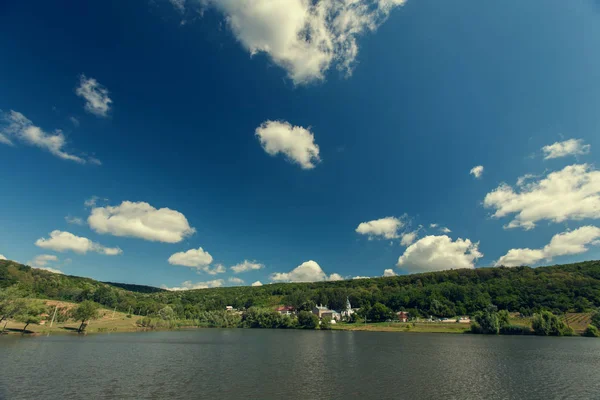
(30, 313)
(515, 330)
(591, 331)
(379, 313)
(308, 320)
(325, 324)
(547, 324)
(596, 319)
(86, 311)
(486, 322)
(259, 318)
(166, 313)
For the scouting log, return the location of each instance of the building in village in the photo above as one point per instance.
(324, 312)
(285, 310)
(402, 316)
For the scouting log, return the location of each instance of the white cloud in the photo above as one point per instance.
(218, 269)
(91, 202)
(445, 230)
(572, 193)
(194, 258)
(408, 238)
(335, 277)
(235, 280)
(2, 257)
(571, 147)
(74, 220)
(141, 220)
(389, 272)
(295, 142)
(96, 97)
(17, 126)
(435, 253)
(188, 285)
(246, 266)
(361, 277)
(306, 38)
(74, 121)
(562, 244)
(477, 171)
(433, 225)
(65, 241)
(41, 262)
(178, 4)
(384, 227)
(257, 283)
(308, 271)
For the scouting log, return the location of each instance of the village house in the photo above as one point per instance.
(229, 308)
(402, 316)
(285, 310)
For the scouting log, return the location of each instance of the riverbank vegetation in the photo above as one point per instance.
(527, 292)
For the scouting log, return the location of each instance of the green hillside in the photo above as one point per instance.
(560, 288)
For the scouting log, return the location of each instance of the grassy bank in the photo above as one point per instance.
(418, 327)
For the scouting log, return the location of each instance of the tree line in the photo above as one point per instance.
(556, 289)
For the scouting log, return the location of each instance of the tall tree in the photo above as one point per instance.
(85, 312)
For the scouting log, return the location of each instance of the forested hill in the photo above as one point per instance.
(561, 288)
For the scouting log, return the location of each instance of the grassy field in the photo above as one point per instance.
(106, 323)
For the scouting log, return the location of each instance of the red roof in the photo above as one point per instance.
(285, 308)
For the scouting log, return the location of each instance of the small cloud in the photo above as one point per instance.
(295, 142)
(308, 271)
(246, 266)
(74, 220)
(389, 272)
(384, 227)
(74, 121)
(235, 280)
(194, 258)
(433, 225)
(188, 285)
(66, 241)
(257, 283)
(571, 147)
(445, 230)
(96, 97)
(477, 171)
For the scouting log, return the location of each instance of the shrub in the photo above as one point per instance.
(515, 330)
(547, 324)
(308, 320)
(591, 331)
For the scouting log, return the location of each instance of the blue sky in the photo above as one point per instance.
(216, 125)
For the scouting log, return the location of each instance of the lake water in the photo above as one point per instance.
(278, 364)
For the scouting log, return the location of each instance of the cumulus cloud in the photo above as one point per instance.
(308, 271)
(194, 258)
(436, 253)
(360, 277)
(217, 269)
(96, 97)
(562, 244)
(66, 241)
(572, 193)
(257, 283)
(74, 220)
(2, 257)
(235, 280)
(335, 277)
(389, 272)
(189, 285)
(408, 238)
(571, 147)
(17, 126)
(306, 38)
(384, 227)
(477, 171)
(42, 260)
(246, 266)
(141, 220)
(295, 142)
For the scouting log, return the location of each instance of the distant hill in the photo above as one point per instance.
(560, 288)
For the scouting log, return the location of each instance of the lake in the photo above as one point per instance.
(276, 364)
